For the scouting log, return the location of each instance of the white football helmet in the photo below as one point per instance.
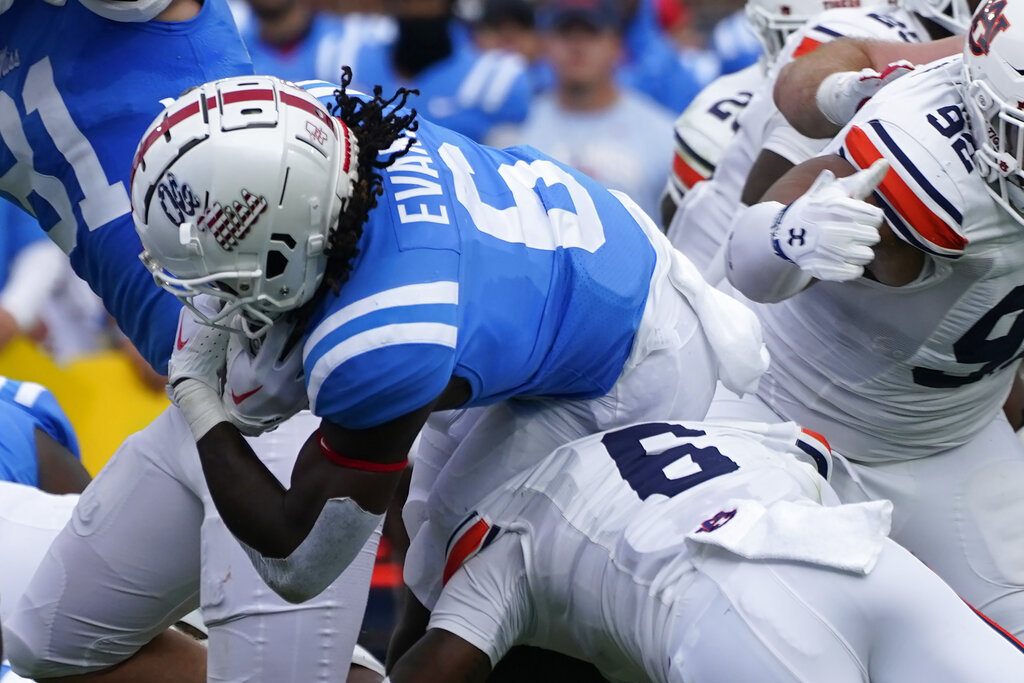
(235, 188)
(774, 20)
(952, 15)
(994, 98)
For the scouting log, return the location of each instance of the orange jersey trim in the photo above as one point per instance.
(806, 46)
(686, 173)
(464, 547)
(903, 199)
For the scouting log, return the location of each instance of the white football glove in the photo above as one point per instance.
(829, 231)
(841, 94)
(196, 368)
(265, 384)
(199, 350)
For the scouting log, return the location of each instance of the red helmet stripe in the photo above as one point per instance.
(307, 106)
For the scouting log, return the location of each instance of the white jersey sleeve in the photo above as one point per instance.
(487, 601)
(702, 219)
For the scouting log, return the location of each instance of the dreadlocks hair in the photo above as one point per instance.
(377, 125)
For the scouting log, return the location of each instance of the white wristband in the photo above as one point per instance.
(200, 405)
(754, 265)
(835, 96)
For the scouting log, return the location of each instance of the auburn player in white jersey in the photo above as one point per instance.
(906, 367)
(671, 552)
(764, 139)
(704, 130)
(709, 124)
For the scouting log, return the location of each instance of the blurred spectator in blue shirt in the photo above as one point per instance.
(31, 269)
(588, 120)
(291, 40)
(461, 86)
(735, 42)
(511, 26)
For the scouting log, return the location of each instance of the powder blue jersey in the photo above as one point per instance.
(503, 267)
(25, 407)
(76, 93)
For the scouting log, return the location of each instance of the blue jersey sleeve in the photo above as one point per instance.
(18, 447)
(381, 384)
(42, 408)
(384, 355)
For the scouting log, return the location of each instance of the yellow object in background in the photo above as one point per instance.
(101, 393)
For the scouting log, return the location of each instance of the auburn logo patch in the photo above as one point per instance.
(988, 23)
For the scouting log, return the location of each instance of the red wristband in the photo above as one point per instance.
(356, 464)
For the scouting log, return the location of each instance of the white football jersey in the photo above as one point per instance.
(707, 126)
(903, 372)
(603, 525)
(701, 223)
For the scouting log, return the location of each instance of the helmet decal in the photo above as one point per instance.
(177, 201)
(229, 224)
(988, 22)
(316, 132)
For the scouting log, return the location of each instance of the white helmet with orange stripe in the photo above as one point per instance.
(774, 20)
(994, 98)
(235, 189)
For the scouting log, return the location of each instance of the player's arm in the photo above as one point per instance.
(840, 75)
(59, 470)
(483, 610)
(816, 222)
(441, 657)
(299, 538)
(302, 537)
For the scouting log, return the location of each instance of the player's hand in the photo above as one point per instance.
(199, 350)
(265, 384)
(829, 230)
(842, 94)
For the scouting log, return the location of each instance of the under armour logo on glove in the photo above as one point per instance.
(831, 229)
(229, 224)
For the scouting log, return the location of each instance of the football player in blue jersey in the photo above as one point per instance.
(79, 82)
(424, 273)
(39, 446)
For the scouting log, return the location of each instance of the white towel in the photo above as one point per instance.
(732, 329)
(848, 537)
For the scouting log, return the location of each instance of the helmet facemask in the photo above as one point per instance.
(772, 29)
(994, 101)
(999, 138)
